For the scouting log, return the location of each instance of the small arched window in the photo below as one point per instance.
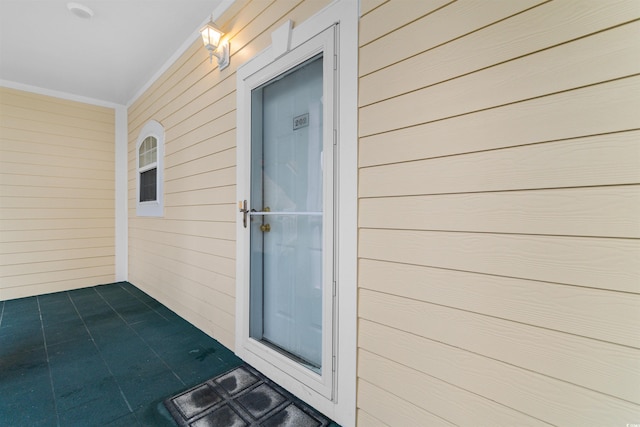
(149, 166)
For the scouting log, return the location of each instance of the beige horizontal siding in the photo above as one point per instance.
(612, 369)
(506, 387)
(499, 213)
(548, 26)
(187, 258)
(592, 313)
(365, 419)
(56, 128)
(409, 388)
(384, 18)
(218, 273)
(445, 24)
(56, 194)
(92, 115)
(558, 117)
(392, 409)
(588, 211)
(607, 159)
(531, 76)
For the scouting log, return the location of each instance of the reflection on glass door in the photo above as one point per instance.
(286, 219)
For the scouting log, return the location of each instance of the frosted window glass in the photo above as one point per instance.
(287, 178)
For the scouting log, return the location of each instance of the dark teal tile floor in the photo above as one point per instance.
(101, 356)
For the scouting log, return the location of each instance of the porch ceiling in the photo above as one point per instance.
(108, 57)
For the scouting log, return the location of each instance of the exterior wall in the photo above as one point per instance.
(186, 259)
(56, 194)
(499, 206)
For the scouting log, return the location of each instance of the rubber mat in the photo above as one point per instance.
(242, 397)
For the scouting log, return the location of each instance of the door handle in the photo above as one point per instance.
(242, 207)
(265, 228)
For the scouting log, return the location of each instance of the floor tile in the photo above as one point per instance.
(195, 364)
(115, 296)
(114, 355)
(139, 313)
(155, 415)
(150, 314)
(58, 312)
(127, 420)
(103, 321)
(88, 302)
(159, 330)
(142, 361)
(90, 414)
(18, 338)
(26, 407)
(150, 387)
(126, 355)
(75, 363)
(104, 393)
(24, 370)
(69, 330)
(53, 298)
(21, 311)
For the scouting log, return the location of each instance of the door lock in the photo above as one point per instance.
(265, 228)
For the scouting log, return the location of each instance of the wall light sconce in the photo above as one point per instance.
(211, 37)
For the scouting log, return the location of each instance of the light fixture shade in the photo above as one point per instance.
(211, 36)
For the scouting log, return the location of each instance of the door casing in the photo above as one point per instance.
(322, 43)
(340, 402)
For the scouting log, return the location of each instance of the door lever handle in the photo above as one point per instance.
(242, 207)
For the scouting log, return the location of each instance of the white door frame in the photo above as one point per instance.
(257, 351)
(340, 404)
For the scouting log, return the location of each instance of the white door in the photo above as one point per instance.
(289, 213)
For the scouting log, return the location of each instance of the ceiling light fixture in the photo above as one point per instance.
(211, 36)
(80, 10)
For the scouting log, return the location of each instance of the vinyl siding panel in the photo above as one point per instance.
(550, 24)
(499, 213)
(393, 409)
(365, 419)
(407, 388)
(366, 6)
(385, 18)
(186, 259)
(505, 387)
(56, 194)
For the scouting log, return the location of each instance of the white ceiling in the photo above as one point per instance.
(109, 57)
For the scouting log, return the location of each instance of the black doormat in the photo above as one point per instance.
(242, 397)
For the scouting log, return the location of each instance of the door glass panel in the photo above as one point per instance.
(287, 213)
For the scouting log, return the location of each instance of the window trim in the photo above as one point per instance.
(154, 208)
